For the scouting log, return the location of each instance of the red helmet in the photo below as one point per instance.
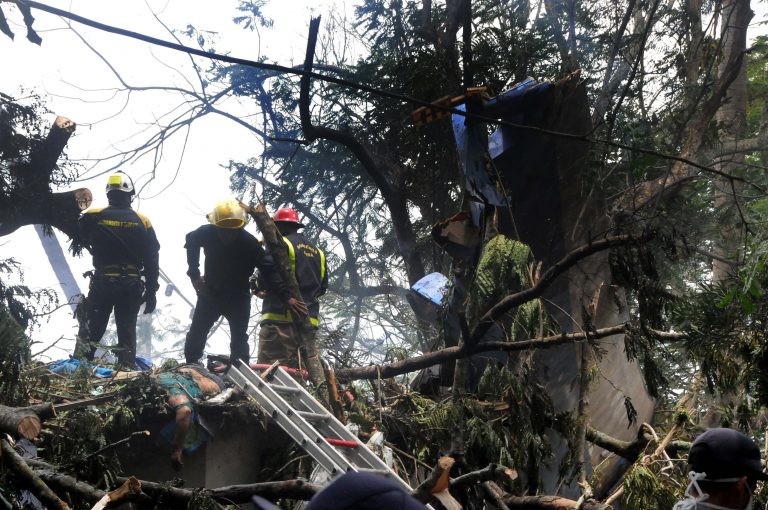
(287, 215)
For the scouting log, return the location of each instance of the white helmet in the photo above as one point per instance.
(120, 181)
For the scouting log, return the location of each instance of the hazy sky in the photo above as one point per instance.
(80, 86)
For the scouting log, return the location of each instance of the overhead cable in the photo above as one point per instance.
(279, 69)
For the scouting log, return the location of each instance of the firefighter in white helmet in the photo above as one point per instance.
(231, 255)
(125, 249)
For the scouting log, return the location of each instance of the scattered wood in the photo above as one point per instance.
(130, 487)
(495, 494)
(77, 404)
(437, 483)
(551, 503)
(25, 421)
(140, 433)
(27, 478)
(493, 472)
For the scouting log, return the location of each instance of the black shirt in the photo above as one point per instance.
(229, 267)
(119, 236)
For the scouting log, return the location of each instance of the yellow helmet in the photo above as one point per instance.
(228, 214)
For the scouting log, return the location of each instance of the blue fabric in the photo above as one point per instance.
(67, 366)
(143, 364)
(196, 436)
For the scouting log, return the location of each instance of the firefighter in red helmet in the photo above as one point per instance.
(231, 254)
(278, 339)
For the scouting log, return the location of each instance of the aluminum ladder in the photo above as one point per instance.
(310, 424)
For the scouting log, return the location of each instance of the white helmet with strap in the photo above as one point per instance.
(120, 181)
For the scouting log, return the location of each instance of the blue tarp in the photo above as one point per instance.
(67, 366)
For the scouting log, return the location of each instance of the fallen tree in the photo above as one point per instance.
(25, 421)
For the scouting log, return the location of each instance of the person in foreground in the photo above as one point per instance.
(724, 469)
(356, 491)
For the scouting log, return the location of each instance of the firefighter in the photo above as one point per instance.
(278, 339)
(124, 248)
(231, 254)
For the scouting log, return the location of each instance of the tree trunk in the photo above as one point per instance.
(732, 118)
(276, 247)
(24, 421)
(27, 478)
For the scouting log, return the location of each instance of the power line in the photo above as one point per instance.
(279, 69)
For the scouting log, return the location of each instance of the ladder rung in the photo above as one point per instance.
(341, 443)
(312, 416)
(284, 389)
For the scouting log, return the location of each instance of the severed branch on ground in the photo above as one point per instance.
(27, 478)
(25, 421)
(130, 488)
(631, 450)
(429, 359)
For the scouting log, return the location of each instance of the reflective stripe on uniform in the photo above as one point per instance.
(322, 264)
(291, 254)
(285, 317)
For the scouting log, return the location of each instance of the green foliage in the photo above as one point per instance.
(646, 487)
(504, 269)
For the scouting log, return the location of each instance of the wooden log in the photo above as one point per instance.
(437, 482)
(20, 421)
(43, 160)
(551, 503)
(276, 247)
(131, 487)
(174, 497)
(27, 478)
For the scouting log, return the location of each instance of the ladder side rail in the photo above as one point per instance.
(299, 429)
(362, 456)
(289, 410)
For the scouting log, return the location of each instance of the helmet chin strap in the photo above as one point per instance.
(697, 500)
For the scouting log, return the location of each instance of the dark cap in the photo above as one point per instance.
(726, 453)
(364, 491)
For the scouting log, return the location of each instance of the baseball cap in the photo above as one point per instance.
(726, 453)
(356, 491)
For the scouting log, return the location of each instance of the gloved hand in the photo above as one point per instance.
(150, 301)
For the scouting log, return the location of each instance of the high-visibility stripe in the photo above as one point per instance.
(322, 264)
(285, 317)
(291, 254)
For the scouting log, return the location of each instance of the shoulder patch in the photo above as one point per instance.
(144, 220)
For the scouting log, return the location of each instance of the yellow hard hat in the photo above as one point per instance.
(228, 214)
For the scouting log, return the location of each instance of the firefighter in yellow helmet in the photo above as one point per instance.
(125, 249)
(231, 255)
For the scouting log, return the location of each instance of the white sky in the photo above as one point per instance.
(63, 64)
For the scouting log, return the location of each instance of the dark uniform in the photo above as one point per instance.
(124, 247)
(228, 268)
(278, 339)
